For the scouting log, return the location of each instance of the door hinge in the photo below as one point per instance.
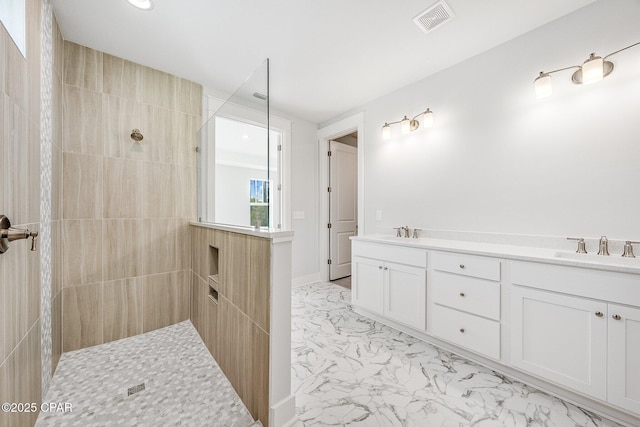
(329, 261)
(280, 147)
(329, 189)
(197, 149)
(329, 153)
(279, 187)
(329, 225)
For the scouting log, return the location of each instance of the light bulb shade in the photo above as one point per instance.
(386, 132)
(592, 70)
(142, 4)
(405, 125)
(427, 119)
(542, 85)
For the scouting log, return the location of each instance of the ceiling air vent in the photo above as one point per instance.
(435, 16)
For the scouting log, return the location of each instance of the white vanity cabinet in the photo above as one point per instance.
(390, 281)
(573, 326)
(623, 385)
(465, 301)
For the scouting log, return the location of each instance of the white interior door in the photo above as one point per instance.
(343, 207)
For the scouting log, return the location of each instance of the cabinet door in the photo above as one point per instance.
(624, 357)
(560, 338)
(405, 294)
(366, 291)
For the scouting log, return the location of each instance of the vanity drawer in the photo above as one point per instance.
(467, 265)
(466, 330)
(475, 296)
(391, 253)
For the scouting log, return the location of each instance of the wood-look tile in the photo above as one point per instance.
(56, 331)
(57, 106)
(82, 321)
(3, 54)
(258, 292)
(197, 307)
(186, 194)
(122, 188)
(5, 388)
(56, 257)
(165, 299)
(83, 118)
(121, 77)
(82, 183)
(160, 134)
(4, 141)
(188, 97)
(121, 116)
(82, 67)
(58, 48)
(16, 178)
(158, 200)
(32, 260)
(56, 183)
(33, 174)
(187, 127)
(13, 274)
(259, 386)
(183, 244)
(159, 242)
(15, 73)
(82, 249)
(33, 30)
(158, 88)
(122, 250)
(122, 307)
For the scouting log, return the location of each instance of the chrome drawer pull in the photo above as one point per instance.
(616, 317)
(599, 314)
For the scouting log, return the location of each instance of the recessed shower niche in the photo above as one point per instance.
(214, 276)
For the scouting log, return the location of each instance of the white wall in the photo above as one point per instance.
(500, 160)
(304, 198)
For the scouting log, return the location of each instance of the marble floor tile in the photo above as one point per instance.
(348, 370)
(183, 385)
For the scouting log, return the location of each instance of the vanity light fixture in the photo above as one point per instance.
(141, 4)
(409, 125)
(594, 69)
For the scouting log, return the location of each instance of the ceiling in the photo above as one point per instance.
(326, 57)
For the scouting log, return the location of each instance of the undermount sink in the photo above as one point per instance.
(600, 259)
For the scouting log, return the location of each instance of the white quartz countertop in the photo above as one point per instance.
(264, 232)
(522, 253)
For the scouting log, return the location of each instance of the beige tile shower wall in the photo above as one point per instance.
(20, 330)
(235, 329)
(126, 207)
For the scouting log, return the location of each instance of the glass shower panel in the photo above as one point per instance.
(239, 160)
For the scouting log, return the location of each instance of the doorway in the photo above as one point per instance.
(338, 131)
(343, 204)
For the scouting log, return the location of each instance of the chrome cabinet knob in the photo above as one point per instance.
(462, 330)
(599, 314)
(462, 294)
(461, 266)
(617, 317)
(379, 267)
(386, 268)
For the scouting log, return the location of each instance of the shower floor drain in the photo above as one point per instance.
(135, 389)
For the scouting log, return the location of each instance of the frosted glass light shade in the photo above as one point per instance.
(592, 70)
(427, 119)
(386, 132)
(405, 125)
(142, 4)
(542, 85)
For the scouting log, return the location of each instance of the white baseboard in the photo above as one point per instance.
(283, 413)
(296, 282)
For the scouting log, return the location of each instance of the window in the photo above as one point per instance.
(259, 202)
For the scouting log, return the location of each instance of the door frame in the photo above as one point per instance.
(336, 130)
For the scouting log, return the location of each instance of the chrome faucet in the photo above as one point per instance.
(628, 249)
(603, 246)
(406, 231)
